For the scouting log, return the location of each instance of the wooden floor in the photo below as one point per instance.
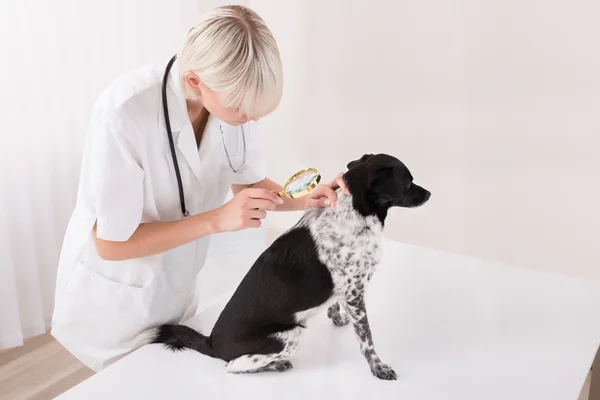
(42, 369)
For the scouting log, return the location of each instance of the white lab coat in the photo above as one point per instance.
(127, 177)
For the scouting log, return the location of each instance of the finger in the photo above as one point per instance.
(318, 202)
(261, 204)
(254, 223)
(314, 203)
(256, 193)
(324, 202)
(257, 214)
(342, 184)
(339, 182)
(336, 182)
(330, 195)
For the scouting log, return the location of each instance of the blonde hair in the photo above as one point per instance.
(234, 53)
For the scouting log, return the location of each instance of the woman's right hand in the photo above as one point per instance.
(246, 210)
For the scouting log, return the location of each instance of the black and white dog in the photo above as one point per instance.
(326, 260)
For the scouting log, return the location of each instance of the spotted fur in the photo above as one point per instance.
(349, 244)
(325, 262)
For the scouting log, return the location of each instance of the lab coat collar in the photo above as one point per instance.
(176, 85)
(176, 100)
(183, 132)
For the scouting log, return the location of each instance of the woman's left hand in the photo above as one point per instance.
(325, 195)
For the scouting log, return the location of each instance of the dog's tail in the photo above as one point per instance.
(176, 337)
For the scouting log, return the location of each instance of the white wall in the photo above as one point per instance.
(57, 56)
(492, 105)
(283, 131)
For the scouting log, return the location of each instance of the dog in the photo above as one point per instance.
(325, 261)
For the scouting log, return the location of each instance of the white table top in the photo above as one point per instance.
(452, 327)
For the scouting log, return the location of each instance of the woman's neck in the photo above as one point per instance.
(198, 117)
(196, 111)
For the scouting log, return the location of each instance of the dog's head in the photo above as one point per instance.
(379, 181)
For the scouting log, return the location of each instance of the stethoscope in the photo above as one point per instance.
(184, 211)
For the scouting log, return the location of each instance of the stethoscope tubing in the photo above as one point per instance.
(184, 211)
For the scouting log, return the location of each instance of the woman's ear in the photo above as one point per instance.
(192, 80)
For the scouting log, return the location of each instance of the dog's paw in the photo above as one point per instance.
(339, 318)
(275, 366)
(383, 371)
(281, 366)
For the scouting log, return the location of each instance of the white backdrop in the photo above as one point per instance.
(57, 57)
(494, 106)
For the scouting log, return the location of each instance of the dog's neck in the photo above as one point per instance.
(350, 218)
(367, 205)
(346, 217)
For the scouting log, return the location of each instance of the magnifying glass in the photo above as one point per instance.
(301, 183)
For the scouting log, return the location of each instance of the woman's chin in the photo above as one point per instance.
(234, 122)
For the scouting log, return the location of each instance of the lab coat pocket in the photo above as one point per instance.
(106, 313)
(112, 284)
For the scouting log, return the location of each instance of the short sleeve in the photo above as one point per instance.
(118, 178)
(255, 169)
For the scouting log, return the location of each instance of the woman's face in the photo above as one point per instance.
(210, 101)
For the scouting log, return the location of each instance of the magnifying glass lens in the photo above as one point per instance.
(301, 182)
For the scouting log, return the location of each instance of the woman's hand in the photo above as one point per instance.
(325, 195)
(246, 210)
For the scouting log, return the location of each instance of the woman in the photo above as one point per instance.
(129, 258)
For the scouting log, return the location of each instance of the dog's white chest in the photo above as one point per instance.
(349, 244)
(353, 265)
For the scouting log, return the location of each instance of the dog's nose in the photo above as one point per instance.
(427, 195)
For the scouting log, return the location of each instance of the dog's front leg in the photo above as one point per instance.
(338, 314)
(358, 316)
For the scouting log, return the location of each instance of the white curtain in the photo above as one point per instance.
(57, 56)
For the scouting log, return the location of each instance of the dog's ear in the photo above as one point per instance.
(355, 163)
(387, 183)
